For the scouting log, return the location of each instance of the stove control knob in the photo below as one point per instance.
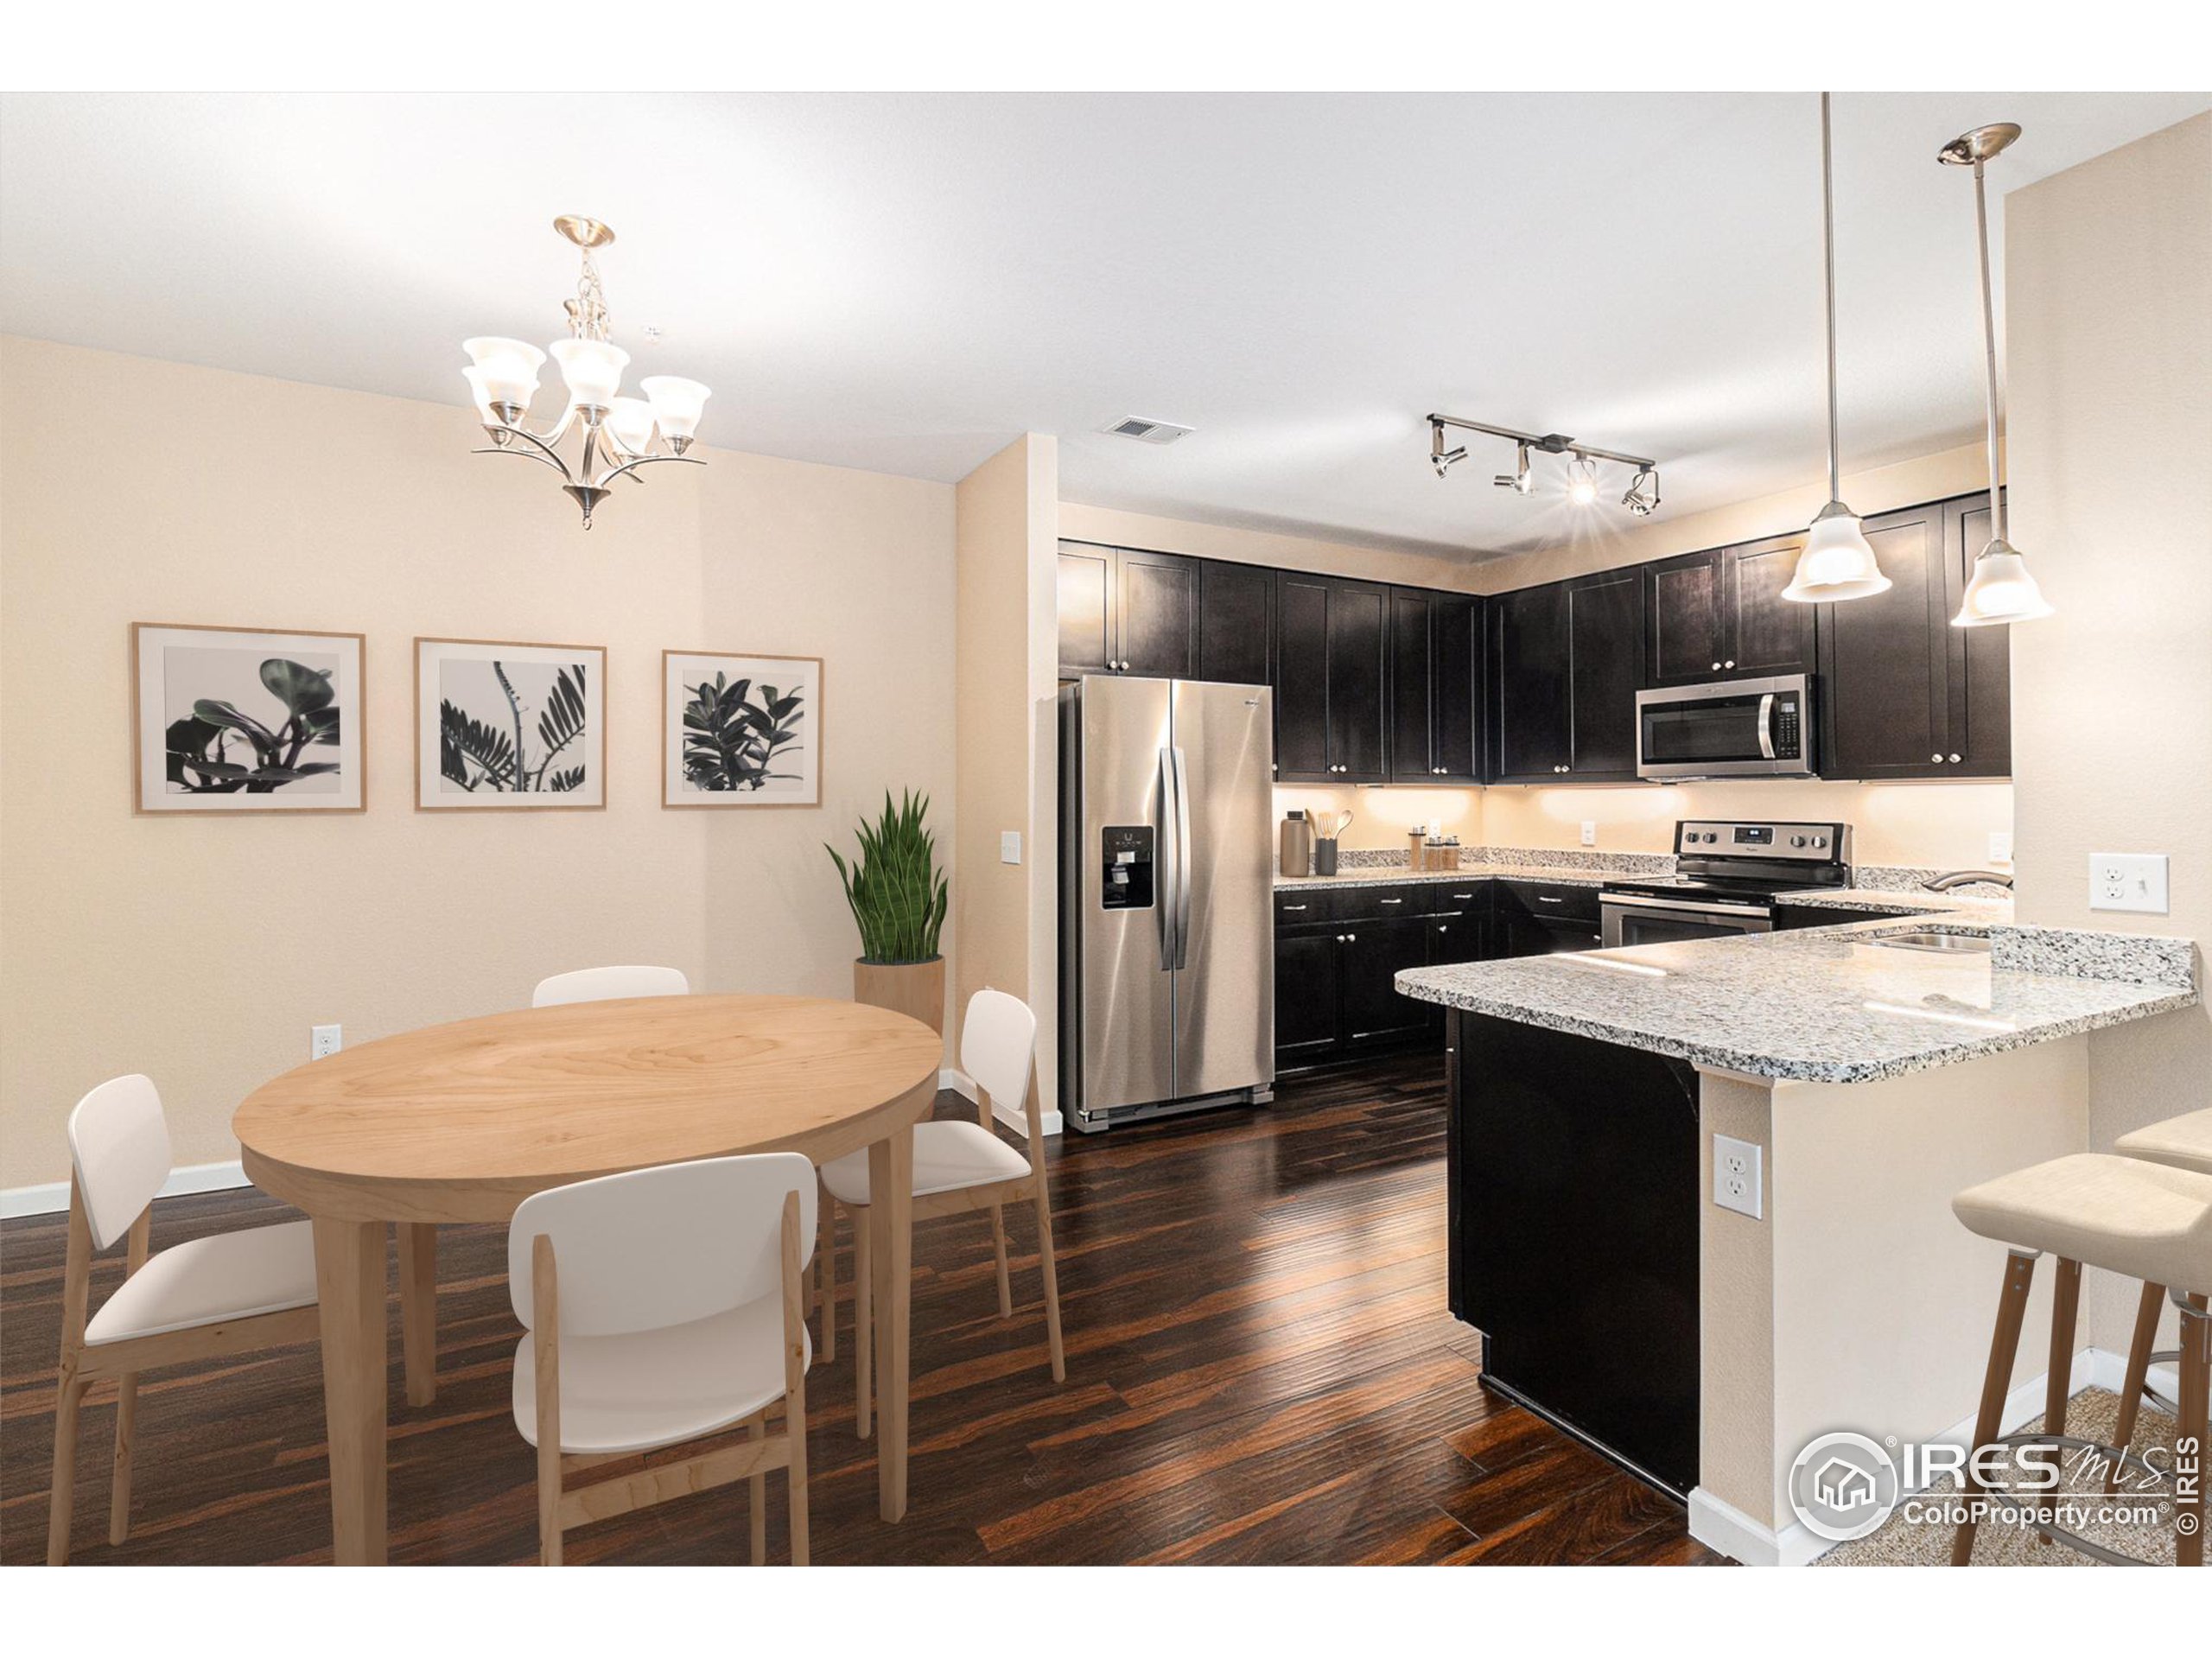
(1820, 840)
(1796, 841)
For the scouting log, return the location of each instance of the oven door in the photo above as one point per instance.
(1735, 728)
(1634, 919)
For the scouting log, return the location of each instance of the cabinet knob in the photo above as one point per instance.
(1716, 668)
(1350, 938)
(1731, 662)
(1955, 759)
(1937, 758)
(1442, 929)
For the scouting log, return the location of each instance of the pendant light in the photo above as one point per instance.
(2000, 590)
(1838, 561)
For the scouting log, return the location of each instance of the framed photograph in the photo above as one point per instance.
(246, 720)
(741, 730)
(508, 727)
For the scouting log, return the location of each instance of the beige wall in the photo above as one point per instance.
(2109, 361)
(200, 949)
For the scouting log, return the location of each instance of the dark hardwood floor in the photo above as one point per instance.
(1260, 1370)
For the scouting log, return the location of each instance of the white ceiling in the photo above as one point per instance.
(906, 281)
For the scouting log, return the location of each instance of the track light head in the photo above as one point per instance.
(1642, 492)
(1582, 489)
(1444, 460)
(1519, 481)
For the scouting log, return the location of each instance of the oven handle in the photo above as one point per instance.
(1767, 725)
(1637, 901)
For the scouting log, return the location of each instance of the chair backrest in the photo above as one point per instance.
(120, 1143)
(998, 1045)
(603, 985)
(653, 1248)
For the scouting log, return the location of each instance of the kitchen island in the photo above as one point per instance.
(1844, 1085)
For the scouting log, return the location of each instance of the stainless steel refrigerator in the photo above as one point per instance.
(1167, 989)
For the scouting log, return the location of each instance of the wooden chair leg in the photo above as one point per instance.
(795, 1426)
(545, 1340)
(126, 1436)
(2139, 1367)
(2195, 1423)
(1051, 1282)
(68, 1395)
(998, 1247)
(756, 1430)
(825, 1272)
(2011, 1309)
(2058, 1382)
(863, 1321)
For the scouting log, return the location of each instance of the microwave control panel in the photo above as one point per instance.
(1788, 729)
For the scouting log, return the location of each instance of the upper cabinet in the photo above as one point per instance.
(1982, 668)
(1124, 611)
(1236, 623)
(1086, 589)
(1566, 659)
(1331, 671)
(1720, 616)
(1436, 687)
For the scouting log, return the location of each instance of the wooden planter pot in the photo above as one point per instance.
(911, 988)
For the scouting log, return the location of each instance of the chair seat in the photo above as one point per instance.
(948, 1156)
(2146, 1221)
(649, 1388)
(2186, 1142)
(207, 1281)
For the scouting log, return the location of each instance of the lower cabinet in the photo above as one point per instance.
(1309, 993)
(1375, 953)
(1536, 919)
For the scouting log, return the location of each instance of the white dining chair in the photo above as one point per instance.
(603, 985)
(959, 1167)
(228, 1293)
(664, 1306)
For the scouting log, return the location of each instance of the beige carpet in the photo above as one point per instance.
(2092, 1416)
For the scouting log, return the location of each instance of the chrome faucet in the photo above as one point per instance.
(1962, 878)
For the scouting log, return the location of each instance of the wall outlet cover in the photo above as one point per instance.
(1589, 832)
(2000, 849)
(1739, 1176)
(324, 1041)
(2133, 881)
(1009, 846)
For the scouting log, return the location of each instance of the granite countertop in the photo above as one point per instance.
(1387, 875)
(1828, 1005)
(1837, 898)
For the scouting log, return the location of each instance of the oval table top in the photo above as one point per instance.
(462, 1122)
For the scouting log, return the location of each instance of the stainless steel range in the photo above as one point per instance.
(1727, 874)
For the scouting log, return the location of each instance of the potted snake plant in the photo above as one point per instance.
(898, 898)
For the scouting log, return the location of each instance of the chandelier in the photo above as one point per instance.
(619, 433)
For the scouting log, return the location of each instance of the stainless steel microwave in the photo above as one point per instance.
(1731, 728)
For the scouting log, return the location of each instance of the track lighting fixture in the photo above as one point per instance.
(1642, 495)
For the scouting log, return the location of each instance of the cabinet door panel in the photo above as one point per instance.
(1981, 659)
(1301, 679)
(1529, 677)
(1884, 660)
(1766, 633)
(1605, 648)
(1456, 699)
(1412, 681)
(1237, 622)
(1309, 987)
(1086, 579)
(1375, 953)
(1358, 636)
(1157, 627)
(1682, 611)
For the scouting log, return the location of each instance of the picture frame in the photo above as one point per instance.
(289, 736)
(509, 726)
(740, 729)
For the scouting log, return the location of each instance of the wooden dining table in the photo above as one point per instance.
(461, 1122)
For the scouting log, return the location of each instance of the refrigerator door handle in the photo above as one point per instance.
(1182, 861)
(1170, 860)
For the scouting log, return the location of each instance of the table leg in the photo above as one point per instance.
(418, 1308)
(891, 1213)
(349, 1286)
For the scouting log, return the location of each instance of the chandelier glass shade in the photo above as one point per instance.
(619, 434)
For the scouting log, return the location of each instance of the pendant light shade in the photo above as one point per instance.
(1838, 563)
(2000, 590)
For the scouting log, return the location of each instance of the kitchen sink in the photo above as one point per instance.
(1930, 939)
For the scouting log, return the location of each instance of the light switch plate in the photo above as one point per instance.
(324, 1041)
(1589, 832)
(2000, 849)
(1009, 846)
(2128, 881)
(1739, 1176)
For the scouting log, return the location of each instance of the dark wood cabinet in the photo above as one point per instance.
(1122, 611)
(1533, 918)
(1237, 622)
(1605, 671)
(1532, 737)
(1681, 619)
(1980, 744)
(1331, 674)
(1720, 616)
(1375, 952)
(1309, 993)
(1086, 599)
(1338, 953)
(1436, 687)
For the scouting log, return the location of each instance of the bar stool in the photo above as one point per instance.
(2183, 1143)
(2146, 1221)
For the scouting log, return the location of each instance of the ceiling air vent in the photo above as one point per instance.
(1147, 431)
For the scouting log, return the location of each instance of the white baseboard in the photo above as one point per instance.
(53, 1198)
(1720, 1526)
(964, 1086)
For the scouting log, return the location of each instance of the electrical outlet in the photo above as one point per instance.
(1589, 832)
(324, 1041)
(1739, 1176)
(1009, 846)
(2128, 881)
(2000, 849)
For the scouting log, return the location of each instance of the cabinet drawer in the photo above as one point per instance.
(1296, 905)
(1380, 904)
(1552, 901)
(1465, 898)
